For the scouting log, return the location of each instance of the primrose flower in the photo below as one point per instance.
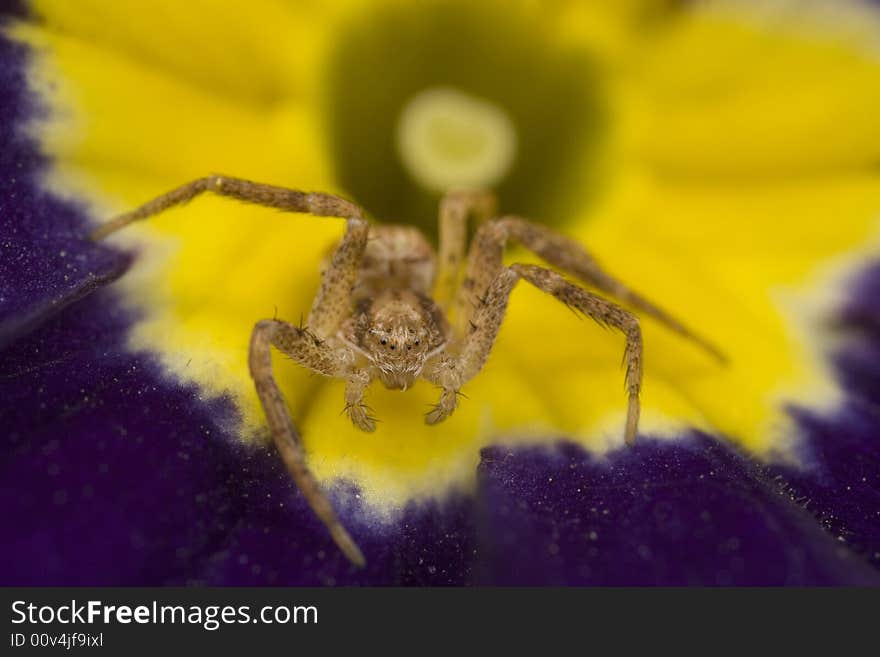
(718, 157)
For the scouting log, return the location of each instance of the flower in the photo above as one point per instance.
(665, 139)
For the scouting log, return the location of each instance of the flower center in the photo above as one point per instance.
(422, 97)
(448, 139)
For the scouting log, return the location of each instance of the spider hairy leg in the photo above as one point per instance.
(332, 302)
(605, 313)
(290, 200)
(450, 374)
(566, 254)
(308, 346)
(289, 339)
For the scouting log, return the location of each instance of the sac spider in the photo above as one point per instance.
(385, 301)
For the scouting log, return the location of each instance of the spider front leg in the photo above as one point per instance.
(333, 299)
(332, 302)
(318, 204)
(304, 347)
(308, 346)
(452, 373)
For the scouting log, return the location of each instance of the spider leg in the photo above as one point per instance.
(290, 200)
(452, 372)
(305, 345)
(455, 209)
(307, 349)
(486, 256)
(332, 301)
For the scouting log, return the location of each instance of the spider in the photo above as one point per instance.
(388, 308)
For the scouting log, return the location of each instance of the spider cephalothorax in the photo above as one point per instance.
(385, 301)
(397, 332)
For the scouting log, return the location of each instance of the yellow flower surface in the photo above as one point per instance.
(720, 159)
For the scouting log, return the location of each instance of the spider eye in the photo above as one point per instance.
(392, 346)
(384, 341)
(418, 342)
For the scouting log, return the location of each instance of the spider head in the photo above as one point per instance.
(398, 336)
(398, 351)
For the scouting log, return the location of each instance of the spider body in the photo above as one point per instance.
(395, 326)
(388, 309)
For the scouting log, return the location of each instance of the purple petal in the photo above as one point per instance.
(45, 264)
(683, 513)
(840, 479)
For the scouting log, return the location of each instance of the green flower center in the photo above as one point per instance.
(422, 98)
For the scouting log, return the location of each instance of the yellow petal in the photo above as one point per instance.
(259, 55)
(733, 92)
(757, 268)
(124, 129)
